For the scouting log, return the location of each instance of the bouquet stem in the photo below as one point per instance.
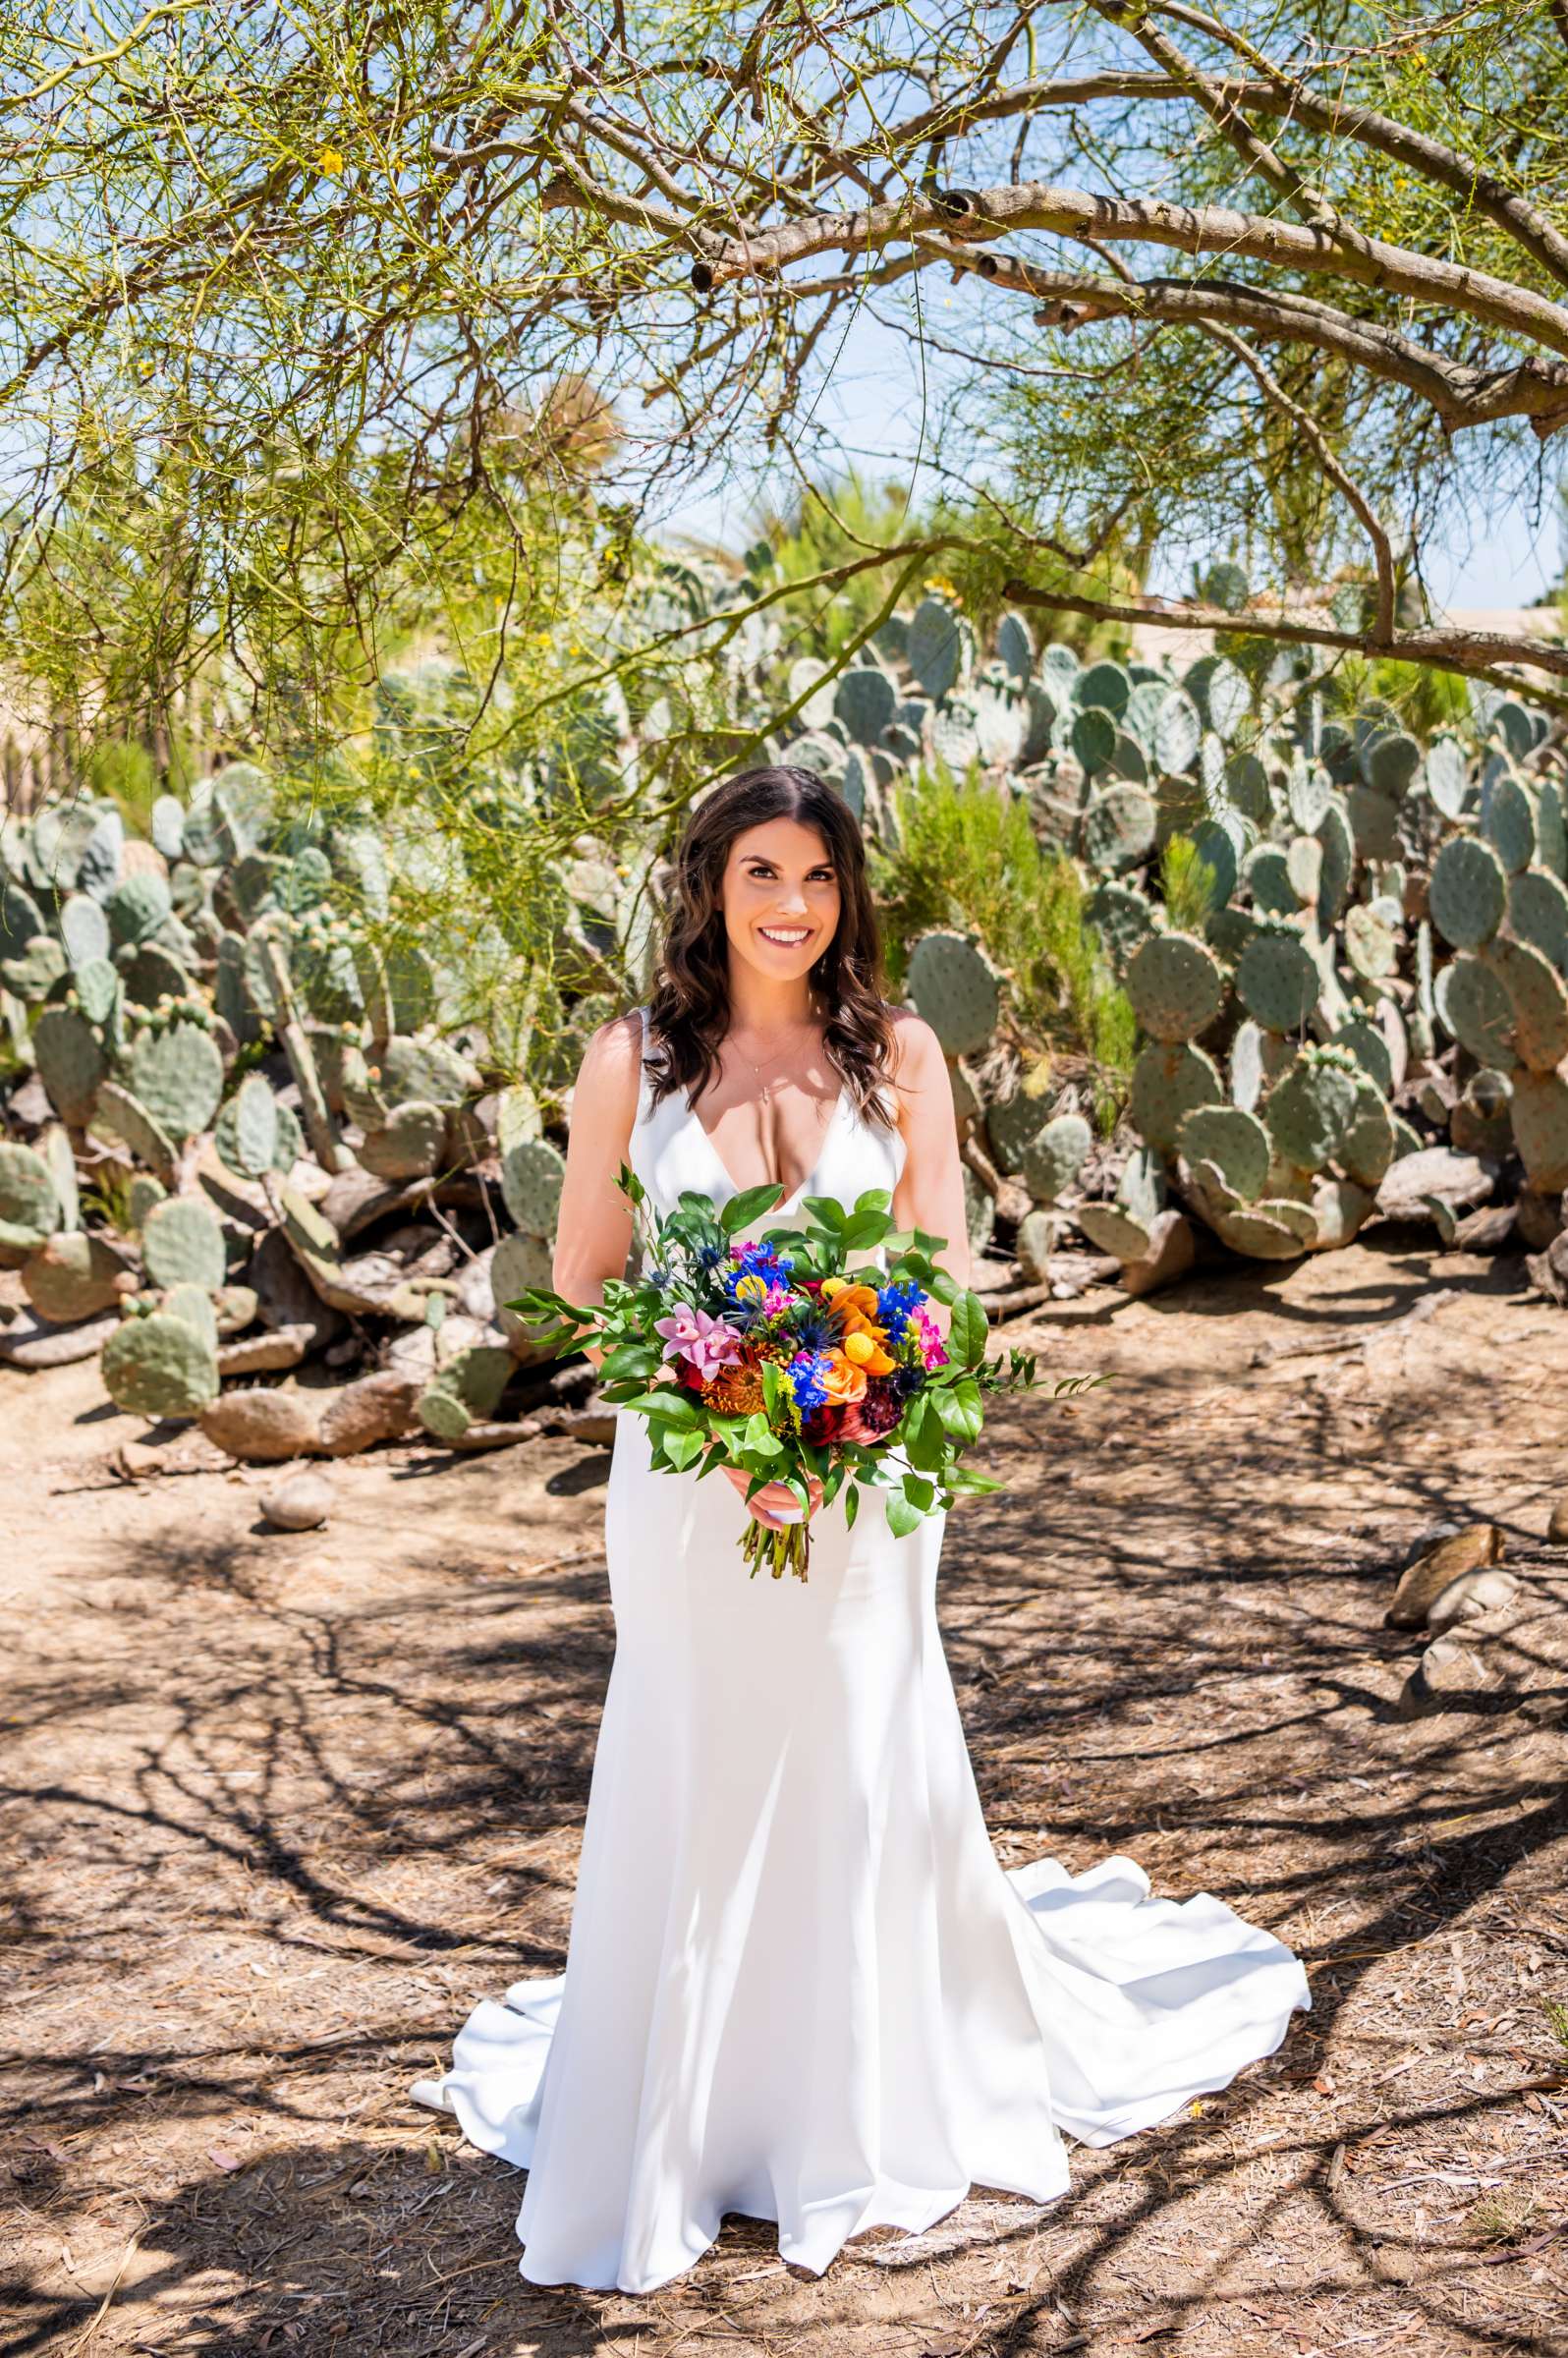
(788, 1549)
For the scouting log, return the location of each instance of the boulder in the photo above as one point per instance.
(260, 1427)
(1461, 1180)
(1469, 1598)
(302, 1504)
(377, 1408)
(1439, 1563)
(1447, 1669)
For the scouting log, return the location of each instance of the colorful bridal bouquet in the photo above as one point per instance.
(788, 1354)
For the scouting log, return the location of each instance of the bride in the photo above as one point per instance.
(798, 1982)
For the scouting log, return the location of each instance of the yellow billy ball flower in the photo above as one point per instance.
(751, 1288)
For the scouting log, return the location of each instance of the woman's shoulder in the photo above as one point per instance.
(915, 1049)
(612, 1059)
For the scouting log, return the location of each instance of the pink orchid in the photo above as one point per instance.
(934, 1351)
(697, 1337)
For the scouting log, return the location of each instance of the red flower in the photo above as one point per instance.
(825, 1422)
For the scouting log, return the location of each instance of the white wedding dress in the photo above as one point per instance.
(799, 1985)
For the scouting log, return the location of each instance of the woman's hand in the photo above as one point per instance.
(763, 1507)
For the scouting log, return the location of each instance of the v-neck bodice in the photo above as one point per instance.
(670, 1151)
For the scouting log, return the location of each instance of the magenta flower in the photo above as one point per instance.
(934, 1351)
(695, 1335)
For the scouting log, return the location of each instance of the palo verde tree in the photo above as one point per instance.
(1279, 280)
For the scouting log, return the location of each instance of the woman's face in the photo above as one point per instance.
(781, 898)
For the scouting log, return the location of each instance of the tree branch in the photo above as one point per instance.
(977, 215)
(1449, 647)
(1461, 395)
(1333, 118)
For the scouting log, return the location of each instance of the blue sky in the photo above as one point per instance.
(869, 412)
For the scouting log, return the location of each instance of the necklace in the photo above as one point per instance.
(757, 1069)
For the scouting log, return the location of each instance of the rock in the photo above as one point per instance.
(1487, 1230)
(1170, 1254)
(1436, 1565)
(302, 1504)
(32, 1343)
(1461, 1180)
(1539, 1218)
(262, 1426)
(475, 1288)
(377, 1408)
(1548, 1271)
(1469, 1597)
(1445, 1671)
(413, 1354)
(266, 1354)
(1557, 1527)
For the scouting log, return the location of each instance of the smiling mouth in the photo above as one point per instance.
(785, 937)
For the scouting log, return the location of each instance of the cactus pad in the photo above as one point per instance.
(29, 1203)
(1538, 911)
(1369, 1143)
(256, 1133)
(410, 1144)
(1312, 1106)
(136, 909)
(1054, 1156)
(865, 702)
(956, 988)
(117, 1113)
(178, 1077)
(1118, 829)
(940, 647)
(1261, 1235)
(531, 1181)
(1340, 1209)
(1122, 916)
(1114, 1230)
(1177, 734)
(1371, 1050)
(1167, 1083)
(73, 1276)
(1551, 834)
(182, 1243)
(1508, 822)
(1370, 944)
(1539, 1109)
(1447, 776)
(1539, 1003)
(1469, 892)
(1234, 1142)
(1278, 979)
(426, 1069)
(1473, 1008)
(160, 1365)
(71, 1062)
(1175, 986)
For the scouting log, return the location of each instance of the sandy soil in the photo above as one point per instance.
(277, 1809)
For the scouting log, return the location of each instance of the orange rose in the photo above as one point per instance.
(844, 1381)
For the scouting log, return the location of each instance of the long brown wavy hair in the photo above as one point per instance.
(688, 1004)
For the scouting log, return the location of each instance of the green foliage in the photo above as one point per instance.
(969, 856)
(1188, 885)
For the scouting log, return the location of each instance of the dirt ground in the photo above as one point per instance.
(276, 1810)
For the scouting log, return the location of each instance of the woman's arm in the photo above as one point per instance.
(930, 1191)
(594, 1228)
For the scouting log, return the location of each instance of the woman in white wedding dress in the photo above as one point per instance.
(798, 1984)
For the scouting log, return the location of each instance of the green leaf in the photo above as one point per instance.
(742, 1209)
(967, 1330)
(958, 1405)
(863, 1230)
(923, 1440)
(919, 1491)
(902, 1518)
(965, 1477)
(681, 1447)
(630, 1359)
(874, 1198)
(851, 1506)
(827, 1212)
(760, 1437)
(667, 1406)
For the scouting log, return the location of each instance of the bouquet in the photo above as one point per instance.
(785, 1354)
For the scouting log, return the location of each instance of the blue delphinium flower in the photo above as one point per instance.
(757, 1261)
(895, 1301)
(806, 1372)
